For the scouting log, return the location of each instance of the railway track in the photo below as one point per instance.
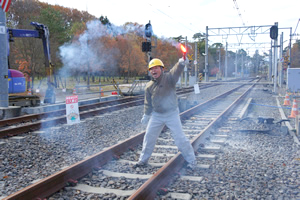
(27, 123)
(198, 121)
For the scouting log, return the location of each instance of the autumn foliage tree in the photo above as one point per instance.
(295, 55)
(116, 53)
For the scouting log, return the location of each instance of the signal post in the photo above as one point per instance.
(147, 45)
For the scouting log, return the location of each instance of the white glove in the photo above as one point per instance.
(145, 119)
(183, 62)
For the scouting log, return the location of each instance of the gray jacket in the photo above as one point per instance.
(160, 94)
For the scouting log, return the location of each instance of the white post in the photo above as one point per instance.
(206, 56)
(236, 52)
(280, 56)
(226, 61)
(185, 68)
(275, 62)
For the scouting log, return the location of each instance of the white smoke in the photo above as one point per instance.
(88, 53)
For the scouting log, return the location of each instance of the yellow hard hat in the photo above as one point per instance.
(155, 62)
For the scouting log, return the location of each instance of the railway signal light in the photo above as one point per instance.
(144, 49)
(146, 46)
(148, 30)
(274, 32)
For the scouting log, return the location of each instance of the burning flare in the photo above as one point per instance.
(183, 49)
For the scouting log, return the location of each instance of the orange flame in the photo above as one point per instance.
(183, 49)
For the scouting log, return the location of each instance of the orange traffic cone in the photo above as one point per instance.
(287, 100)
(294, 109)
(29, 91)
(74, 91)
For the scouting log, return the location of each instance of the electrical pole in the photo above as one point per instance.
(219, 58)
(270, 62)
(280, 56)
(290, 47)
(226, 61)
(3, 61)
(236, 54)
(88, 65)
(290, 56)
(185, 68)
(206, 55)
(195, 62)
(275, 62)
(242, 67)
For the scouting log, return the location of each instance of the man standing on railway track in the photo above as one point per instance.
(161, 108)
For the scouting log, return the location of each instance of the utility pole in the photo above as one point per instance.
(275, 62)
(270, 62)
(226, 61)
(195, 62)
(290, 47)
(88, 65)
(236, 54)
(3, 61)
(242, 67)
(185, 67)
(290, 56)
(280, 56)
(219, 58)
(257, 64)
(206, 56)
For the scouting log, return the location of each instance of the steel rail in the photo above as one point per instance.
(62, 112)
(84, 113)
(12, 131)
(55, 182)
(55, 113)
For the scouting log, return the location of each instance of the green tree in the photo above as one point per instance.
(56, 24)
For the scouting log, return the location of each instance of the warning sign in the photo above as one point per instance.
(190, 56)
(72, 110)
(2, 29)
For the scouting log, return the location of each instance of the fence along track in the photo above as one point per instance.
(53, 183)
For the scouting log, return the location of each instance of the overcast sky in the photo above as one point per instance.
(174, 18)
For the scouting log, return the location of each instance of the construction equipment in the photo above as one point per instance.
(41, 31)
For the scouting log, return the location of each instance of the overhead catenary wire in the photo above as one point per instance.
(296, 27)
(238, 10)
(163, 13)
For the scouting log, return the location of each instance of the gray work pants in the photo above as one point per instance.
(154, 128)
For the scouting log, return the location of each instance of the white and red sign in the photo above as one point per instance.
(72, 110)
(5, 5)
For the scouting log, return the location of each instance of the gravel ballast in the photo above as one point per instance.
(256, 165)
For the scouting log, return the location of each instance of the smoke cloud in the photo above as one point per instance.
(88, 53)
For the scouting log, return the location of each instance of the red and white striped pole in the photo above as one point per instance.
(5, 4)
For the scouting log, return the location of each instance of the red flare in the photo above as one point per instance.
(183, 49)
